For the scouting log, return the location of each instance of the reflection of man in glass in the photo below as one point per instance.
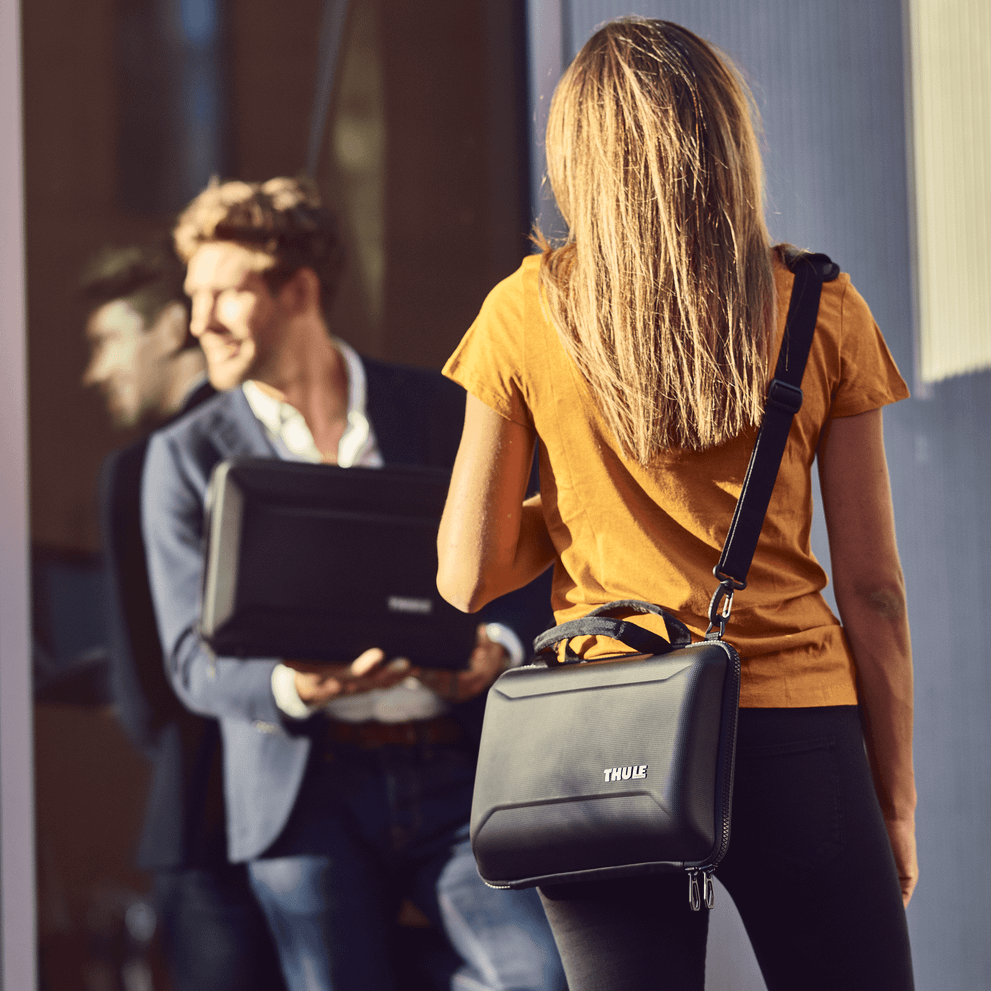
(142, 356)
(150, 369)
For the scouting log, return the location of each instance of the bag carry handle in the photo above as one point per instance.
(598, 623)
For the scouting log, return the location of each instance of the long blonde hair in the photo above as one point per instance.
(663, 291)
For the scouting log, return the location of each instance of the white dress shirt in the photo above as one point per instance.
(287, 430)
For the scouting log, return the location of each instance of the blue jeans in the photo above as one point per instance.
(374, 826)
(214, 933)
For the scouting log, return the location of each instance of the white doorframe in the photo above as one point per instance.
(18, 939)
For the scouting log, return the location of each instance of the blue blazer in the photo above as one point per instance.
(417, 417)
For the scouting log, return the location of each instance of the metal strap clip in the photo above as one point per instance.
(719, 610)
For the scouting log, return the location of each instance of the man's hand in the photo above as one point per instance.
(901, 833)
(487, 662)
(319, 683)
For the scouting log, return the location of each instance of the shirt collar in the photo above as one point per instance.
(286, 423)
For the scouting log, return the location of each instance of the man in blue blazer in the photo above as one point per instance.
(151, 370)
(348, 787)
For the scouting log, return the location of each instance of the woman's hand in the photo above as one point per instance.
(901, 834)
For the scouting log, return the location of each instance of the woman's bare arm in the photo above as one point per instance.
(490, 540)
(870, 595)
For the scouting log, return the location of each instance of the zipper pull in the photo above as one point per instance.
(694, 896)
(704, 893)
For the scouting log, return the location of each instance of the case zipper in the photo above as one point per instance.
(706, 893)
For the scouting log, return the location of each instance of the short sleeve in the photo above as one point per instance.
(490, 359)
(868, 375)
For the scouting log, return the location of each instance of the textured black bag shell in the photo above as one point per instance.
(543, 809)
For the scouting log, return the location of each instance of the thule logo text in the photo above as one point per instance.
(402, 603)
(625, 773)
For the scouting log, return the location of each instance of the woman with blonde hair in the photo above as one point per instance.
(638, 352)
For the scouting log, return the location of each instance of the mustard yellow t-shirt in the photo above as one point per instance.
(625, 531)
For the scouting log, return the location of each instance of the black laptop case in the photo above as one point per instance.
(316, 562)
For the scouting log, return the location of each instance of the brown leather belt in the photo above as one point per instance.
(440, 729)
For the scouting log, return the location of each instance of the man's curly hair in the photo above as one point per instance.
(284, 217)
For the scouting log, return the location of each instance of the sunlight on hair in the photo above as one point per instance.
(663, 292)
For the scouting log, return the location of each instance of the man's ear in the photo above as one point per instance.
(300, 293)
(171, 326)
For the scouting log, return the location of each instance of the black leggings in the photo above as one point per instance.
(809, 867)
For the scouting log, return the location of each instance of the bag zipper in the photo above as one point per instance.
(707, 893)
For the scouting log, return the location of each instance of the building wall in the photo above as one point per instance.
(829, 78)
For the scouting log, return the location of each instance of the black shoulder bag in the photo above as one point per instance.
(624, 765)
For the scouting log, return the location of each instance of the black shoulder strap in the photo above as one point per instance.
(784, 399)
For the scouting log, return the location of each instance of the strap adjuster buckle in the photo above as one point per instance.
(784, 396)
